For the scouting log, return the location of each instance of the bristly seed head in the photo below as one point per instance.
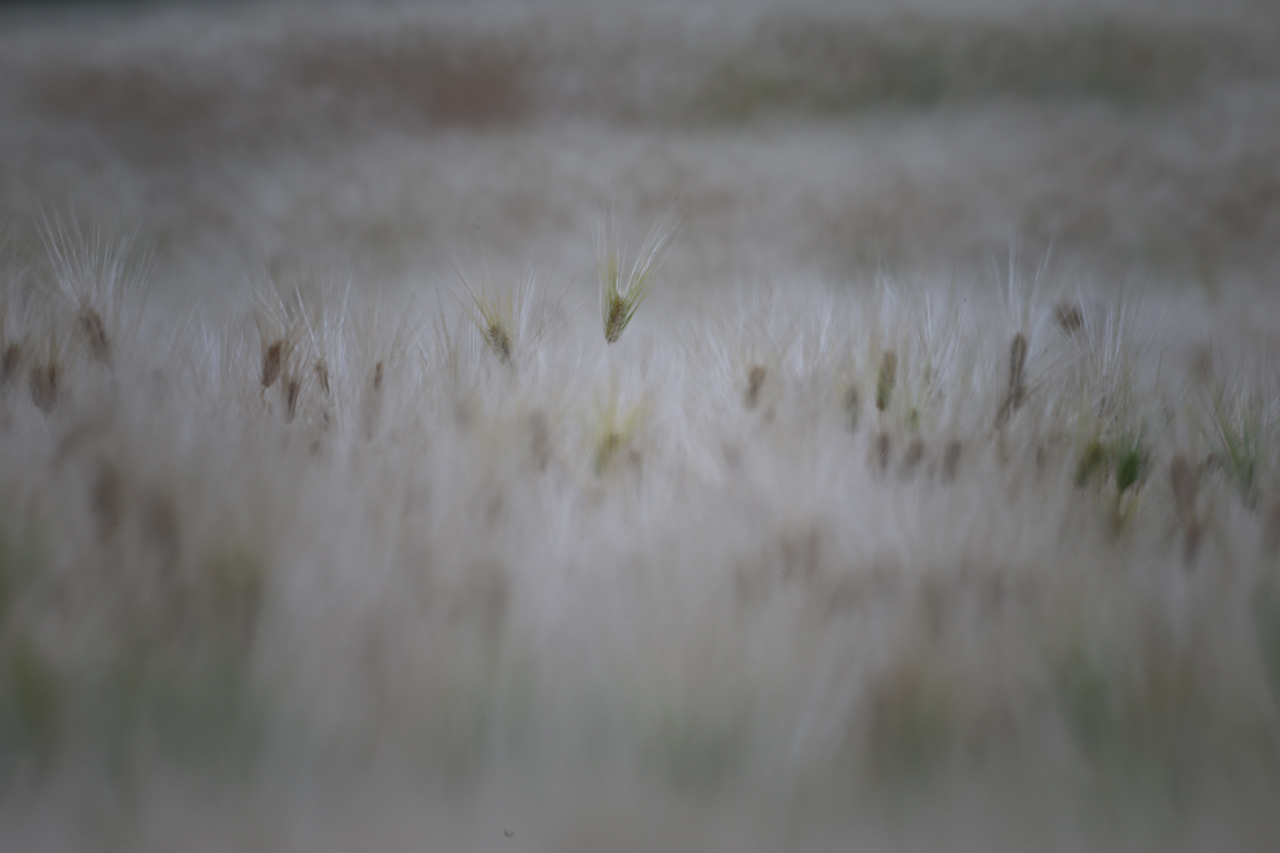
(617, 315)
(9, 363)
(44, 386)
(95, 335)
(272, 361)
(322, 374)
(1017, 389)
(621, 295)
(1017, 363)
(292, 388)
(499, 340)
(1068, 317)
(886, 380)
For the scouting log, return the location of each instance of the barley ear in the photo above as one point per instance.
(622, 287)
(1017, 389)
(1017, 364)
(887, 378)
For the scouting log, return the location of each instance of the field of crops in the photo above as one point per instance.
(588, 426)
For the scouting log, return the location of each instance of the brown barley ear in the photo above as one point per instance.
(94, 332)
(292, 390)
(1017, 388)
(1069, 317)
(755, 380)
(273, 356)
(10, 364)
(1017, 365)
(44, 381)
(373, 402)
(321, 369)
(886, 379)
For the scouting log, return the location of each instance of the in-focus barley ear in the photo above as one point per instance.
(623, 288)
(887, 378)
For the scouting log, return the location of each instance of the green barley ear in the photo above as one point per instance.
(505, 315)
(1132, 460)
(496, 313)
(886, 380)
(622, 287)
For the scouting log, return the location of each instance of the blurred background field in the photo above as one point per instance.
(932, 500)
(799, 137)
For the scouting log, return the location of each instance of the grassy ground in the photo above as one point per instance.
(368, 479)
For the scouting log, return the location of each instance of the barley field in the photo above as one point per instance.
(590, 426)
